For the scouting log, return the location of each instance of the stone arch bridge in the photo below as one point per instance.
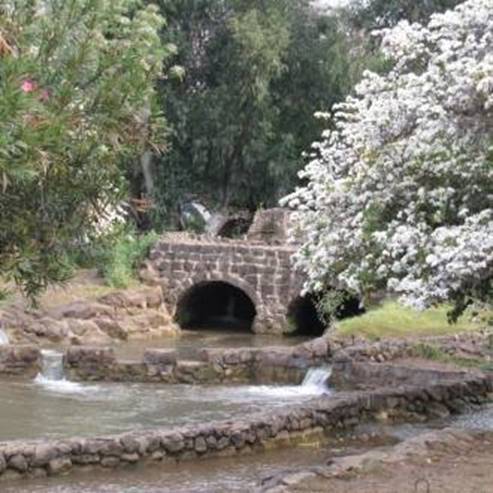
(249, 280)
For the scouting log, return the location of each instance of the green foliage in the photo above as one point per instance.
(74, 79)
(255, 73)
(479, 294)
(365, 17)
(428, 351)
(375, 14)
(434, 353)
(124, 258)
(330, 303)
(117, 255)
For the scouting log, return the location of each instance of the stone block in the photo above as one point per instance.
(43, 454)
(160, 357)
(18, 462)
(87, 355)
(59, 466)
(20, 360)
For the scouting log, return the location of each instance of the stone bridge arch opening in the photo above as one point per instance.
(216, 305)
(305, 319)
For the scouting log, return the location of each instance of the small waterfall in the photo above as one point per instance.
(52, 375)
(317, 378)
(52, 365)
(4, 338)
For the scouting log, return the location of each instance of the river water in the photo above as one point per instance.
(52, 407)
(238, 474)
(189, 342)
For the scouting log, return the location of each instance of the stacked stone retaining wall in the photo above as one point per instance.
(350, 374)
(282, 365)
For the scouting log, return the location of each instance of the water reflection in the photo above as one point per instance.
(189, 343)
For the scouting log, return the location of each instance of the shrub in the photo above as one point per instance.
(123, 259)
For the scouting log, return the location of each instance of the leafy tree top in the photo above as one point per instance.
(76, 84)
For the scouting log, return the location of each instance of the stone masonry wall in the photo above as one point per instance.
(261, 271)
(217, 366)
(19, 361)
(350, 374)
(293, 424)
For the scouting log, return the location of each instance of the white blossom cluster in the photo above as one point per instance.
(399, 192)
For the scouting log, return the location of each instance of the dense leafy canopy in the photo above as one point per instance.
(254, 74)
(74, 78)
(377, 14)
(400, 193)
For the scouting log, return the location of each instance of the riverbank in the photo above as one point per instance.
(446, 461)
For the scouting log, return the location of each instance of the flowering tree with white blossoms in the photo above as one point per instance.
(398, 195)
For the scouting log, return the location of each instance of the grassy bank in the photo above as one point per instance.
(394, 320)
(434, 353)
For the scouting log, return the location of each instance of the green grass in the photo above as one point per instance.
(434, 353)
(394, 320)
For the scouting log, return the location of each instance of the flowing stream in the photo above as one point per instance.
(53, 407)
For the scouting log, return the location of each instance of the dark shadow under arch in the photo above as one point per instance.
(215, 305)
(350, 307)
(305, 319)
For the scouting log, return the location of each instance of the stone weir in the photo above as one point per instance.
(272, 365)
(260, 271)
(314, 418)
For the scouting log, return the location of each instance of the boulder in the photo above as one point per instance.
(111, 327)
(81, 309)
(51, 329)
(59, 466)
(43, 454)
(18, 462)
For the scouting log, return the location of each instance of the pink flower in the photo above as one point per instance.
(29, 85)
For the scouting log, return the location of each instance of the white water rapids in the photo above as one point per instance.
(52, 376)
